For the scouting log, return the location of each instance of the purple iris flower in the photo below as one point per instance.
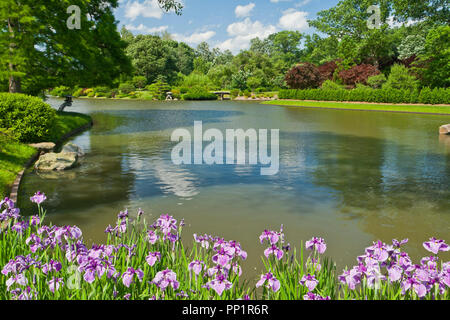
(196, 266)
(278, 253)
(38, 198)
(309, 281)
(166, 223)
(152, 237)
(55, 284)
(218, 269)
(128, 276)
(203, 240)
(395, 273)
(317, 244)
(270, 281)
(418, 287)
(52, 265)
(35, 221)
(19, 279)
(20, 227)
(350, 278)
(220, 284)
(166, 278)
(398, 244)
(435, 245)
(221, 257)
(152, 258)
(312, 296)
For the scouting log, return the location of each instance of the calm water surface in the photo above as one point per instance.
(350, 177)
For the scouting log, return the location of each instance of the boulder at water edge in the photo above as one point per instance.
(445, 129)
(43, 146)
(56, 161)
(72, 147)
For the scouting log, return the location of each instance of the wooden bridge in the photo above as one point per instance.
(222, 94)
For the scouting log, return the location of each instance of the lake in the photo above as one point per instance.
(351, 177)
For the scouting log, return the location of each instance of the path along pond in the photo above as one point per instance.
(351, 177)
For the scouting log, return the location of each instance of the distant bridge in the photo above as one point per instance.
(222, 94)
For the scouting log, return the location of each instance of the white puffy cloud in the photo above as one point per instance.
(294, 20)
(144, 29)
(147, 9)
(242, 32)
(244, 11)
(195, 38)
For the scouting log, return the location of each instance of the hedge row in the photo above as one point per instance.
(29, 118)
(426, 95)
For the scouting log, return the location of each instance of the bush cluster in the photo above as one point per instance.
(426, 95)
(29, 118)
(199, 93)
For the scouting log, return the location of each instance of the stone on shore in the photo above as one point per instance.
(56, 161)
(445, 129)
(72, 147)
(43, 146)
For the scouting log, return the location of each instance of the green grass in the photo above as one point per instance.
(14, 155)
(67, 122)
(364, 106)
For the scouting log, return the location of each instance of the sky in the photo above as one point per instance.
(225, 24)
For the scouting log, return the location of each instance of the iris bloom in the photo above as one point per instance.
(128, 276)
(435, 245)
(166, 278)
(220, 284)
(278, 253)
(38, 198)
(196, 266)
(152, 258)
(55, 284)
(309, 281)
(317, 244)
(270, 281)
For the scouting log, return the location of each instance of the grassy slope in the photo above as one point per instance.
(363, 106)
(14, 155)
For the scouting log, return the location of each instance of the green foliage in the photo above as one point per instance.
(199, 93)
(139, 81)
(234, 92)
(126, 88)
(196, 79)
(247, 93)
(377, 81)
(331, 85)
(365, 94)
(399, 78)
(61, 91)
(159, 90)
(433, 65)
(101, 91)
(78, 92)
(29, 118)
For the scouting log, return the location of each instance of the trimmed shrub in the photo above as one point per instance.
(126, 88)
(27, 117)
(139, 81)
(234, 92)
(365, 94)
(199, 93)
(376, 82)
(78, 92)
(331, 85)
(399, 78)
(303, 76)
(247, 93)
(358, 74)
(61, 91)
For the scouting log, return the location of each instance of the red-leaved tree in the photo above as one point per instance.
(303, 76)
(358, 74)
(327, 70)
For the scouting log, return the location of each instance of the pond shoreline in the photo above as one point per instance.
(16, 185)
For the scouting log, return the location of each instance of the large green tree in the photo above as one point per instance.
(39, 50)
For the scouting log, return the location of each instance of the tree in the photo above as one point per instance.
(433, 65)
(399, 78)
(152, 57)
(38, 50)
(358, 74)
(303, 76)
(139, 81)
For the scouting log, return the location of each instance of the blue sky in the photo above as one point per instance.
(226, 24)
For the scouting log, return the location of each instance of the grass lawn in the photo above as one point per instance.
(14, 155)
(363, 106)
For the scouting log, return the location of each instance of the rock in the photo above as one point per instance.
(72, 147)
(445, 129)
(56, 161)
(43, 146)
